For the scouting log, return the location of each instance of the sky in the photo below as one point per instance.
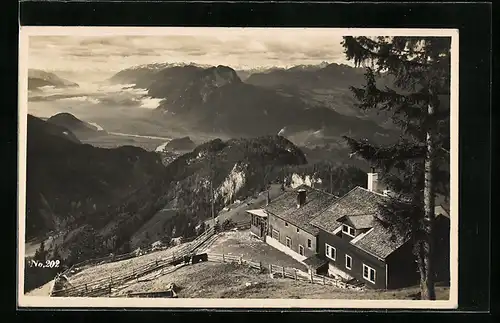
(240, 48)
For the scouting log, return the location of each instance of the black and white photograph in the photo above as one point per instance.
(238, 167)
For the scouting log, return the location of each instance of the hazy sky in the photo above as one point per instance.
(235, 47)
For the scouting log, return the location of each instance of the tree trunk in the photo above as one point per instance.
(427, 275)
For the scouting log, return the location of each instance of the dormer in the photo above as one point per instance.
(353, 225)
(348, 230)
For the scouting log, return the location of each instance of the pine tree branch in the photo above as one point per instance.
(402, 150)
(410, 67)
(355, 50)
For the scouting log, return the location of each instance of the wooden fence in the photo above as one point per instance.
(215, 257)
(104, 286)
(243, 225)
(297, 274)
(107, 285)
(281, 271)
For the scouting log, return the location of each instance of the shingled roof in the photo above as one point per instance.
(358, 202)
(285, 207)
(360, 221)
(360, 208)
(379, 241)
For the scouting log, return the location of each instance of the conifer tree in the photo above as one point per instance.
(41, 253)
(417, 100)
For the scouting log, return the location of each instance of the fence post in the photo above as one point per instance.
(271, 270)
(295, 271)
(311, 275)
(260, 265)
(223, 260)
(324, 283)
(283, 271)
(86, 289)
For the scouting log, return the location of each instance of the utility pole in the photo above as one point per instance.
(212, 206)
(212, 199)
(331, 179)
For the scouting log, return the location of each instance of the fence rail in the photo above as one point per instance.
(104, 286)
(281, 271)
(243, 225)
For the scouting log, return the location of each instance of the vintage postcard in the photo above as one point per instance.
(238, 167)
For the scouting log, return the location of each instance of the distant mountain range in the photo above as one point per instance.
(38, 78)
(323, 76)
(215, 99)
(244, 74)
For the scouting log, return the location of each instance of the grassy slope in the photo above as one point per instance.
(215, 280)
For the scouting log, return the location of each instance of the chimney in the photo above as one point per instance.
(372, 181)
(301, 197)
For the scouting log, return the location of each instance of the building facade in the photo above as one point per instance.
(344, 237)
(293, 237)
(288, 221)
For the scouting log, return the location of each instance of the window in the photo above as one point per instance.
(301, 250)
(348, 230)
(298, 230)
(288, 242)
(309, 243)
(276, 234)
(330, 251)
(368, 273)
(286, 224)
(348, 262)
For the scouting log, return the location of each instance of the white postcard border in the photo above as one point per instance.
(90, 302)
